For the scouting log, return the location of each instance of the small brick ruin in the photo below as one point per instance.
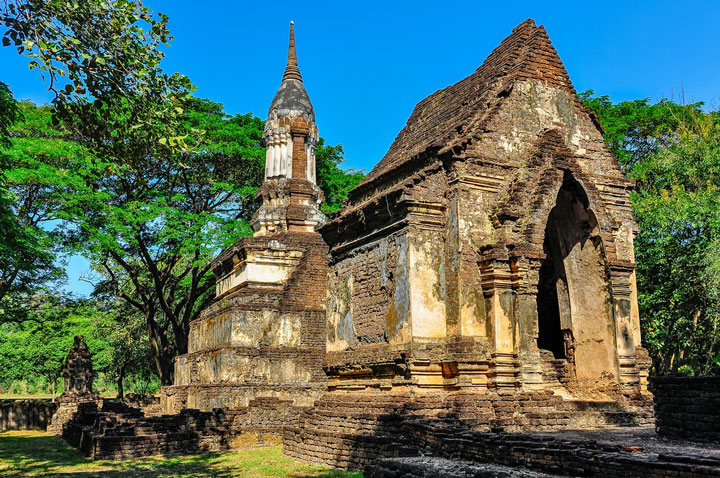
(115, 430)
(78, 376)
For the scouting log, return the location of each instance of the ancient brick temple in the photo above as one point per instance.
(492, 247)
(264, 336)
(483, 270)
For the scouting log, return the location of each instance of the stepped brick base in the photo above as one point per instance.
(117, 431)
(348, 430)
(67, 406)
(457, 452)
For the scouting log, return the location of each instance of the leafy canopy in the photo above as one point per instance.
(673, 152)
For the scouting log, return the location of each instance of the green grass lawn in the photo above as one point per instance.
(35, 453)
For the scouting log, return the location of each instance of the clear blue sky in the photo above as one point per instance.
(366, 64)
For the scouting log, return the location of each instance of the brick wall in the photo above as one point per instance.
(351, 430)
(116, 431)
(687, 407)
(557, 454)
(24, 414)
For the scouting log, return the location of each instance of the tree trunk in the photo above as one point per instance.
(121, 377)
(163, 363)
(166, 369)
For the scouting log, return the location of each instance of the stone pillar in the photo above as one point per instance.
(531, 371)
(622, 277)
(498, 283)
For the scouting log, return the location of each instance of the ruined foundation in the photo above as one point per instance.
(114, 431)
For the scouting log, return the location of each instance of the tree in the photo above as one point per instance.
(128, 353)
(637, 129)
(162, 181)
(13, 243)
(102, 60)
(39, 163)
(335, 182)
(9, 114)
(39, 348)
(673, 152)
(134, 222)
(153, 225)
(678, 210)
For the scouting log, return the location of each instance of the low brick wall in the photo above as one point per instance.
(349, 430)
(26, 414)
(687, 407)
(117, 431)
(555, 454)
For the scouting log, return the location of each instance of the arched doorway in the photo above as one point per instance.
(575, 319)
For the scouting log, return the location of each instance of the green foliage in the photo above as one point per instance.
(102, 61)
(138, 176)
(152, 223)
(9, 114)
(33, 352)
(128, 358)
(335, 183)
(636, 129)
(151, 227)
(677, 206)
(673, 152)
(131, 188)
(37, 348)
(38, 164)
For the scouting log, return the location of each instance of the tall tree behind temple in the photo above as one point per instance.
(38, 163)
(155, 194)
(102, 62)
(152, 229)
(673, 152)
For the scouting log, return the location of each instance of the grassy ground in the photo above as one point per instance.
(34, 453)
(23, 396)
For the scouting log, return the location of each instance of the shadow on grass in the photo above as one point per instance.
(33, 453)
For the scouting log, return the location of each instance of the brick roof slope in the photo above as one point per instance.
(443, 119)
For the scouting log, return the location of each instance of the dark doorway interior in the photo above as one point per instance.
(550, 336)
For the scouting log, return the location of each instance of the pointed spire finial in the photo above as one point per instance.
(292, 72)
